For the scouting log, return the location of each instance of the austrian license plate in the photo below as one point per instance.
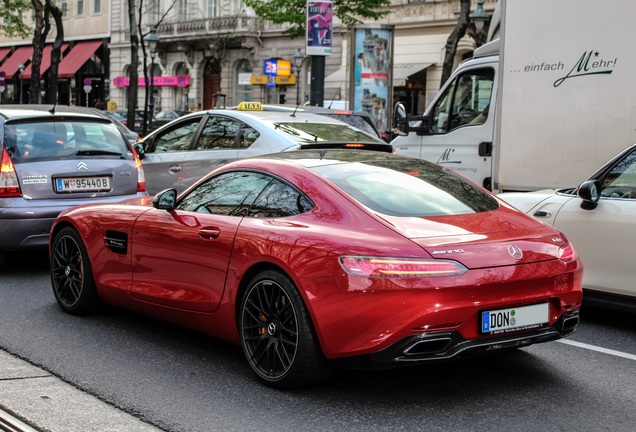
(519, 318)
(82, 184)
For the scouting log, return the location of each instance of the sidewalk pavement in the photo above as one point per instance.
(33, 400)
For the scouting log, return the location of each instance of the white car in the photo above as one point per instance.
(599, 218)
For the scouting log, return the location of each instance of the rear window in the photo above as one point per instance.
(408, 187)
(356, 121)
(321, 132)
(38, 141)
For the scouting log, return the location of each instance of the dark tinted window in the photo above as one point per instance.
(408, 187)
(229, 194)
(323, 132)
(177, 138)
(279, 200)
(219, 133)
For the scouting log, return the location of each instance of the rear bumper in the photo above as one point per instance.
(28, 226)
(448, 345)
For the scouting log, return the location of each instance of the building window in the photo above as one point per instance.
(64, 7)
(80, 7)
(97, 6)
(243, 81)
(183, 10)
(212, 8)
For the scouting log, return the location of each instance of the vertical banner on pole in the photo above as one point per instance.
(371, 80)
(319, 28)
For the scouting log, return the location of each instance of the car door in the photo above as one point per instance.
(604, 236)
(222, 139)
(165, 152)
(181, 257)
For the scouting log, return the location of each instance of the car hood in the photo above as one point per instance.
(526, 201)
(487, 239)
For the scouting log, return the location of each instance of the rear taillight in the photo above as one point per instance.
(141, 178)
(567, 253)
(9, 186)
(387, 267)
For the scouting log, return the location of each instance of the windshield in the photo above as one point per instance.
(52, 140)
(321, 132)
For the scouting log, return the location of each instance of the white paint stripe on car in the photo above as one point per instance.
(598, 349)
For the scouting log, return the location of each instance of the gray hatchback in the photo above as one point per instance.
(53, 159)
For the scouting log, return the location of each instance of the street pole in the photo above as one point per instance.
(299, 58)
(21, 67)
(153, 40)
(317, 89)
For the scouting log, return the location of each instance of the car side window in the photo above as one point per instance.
(465, 102)
(248, 136)
(219, 133)
(620, 181)
(177, 138)
(280, 200)
(229, 194)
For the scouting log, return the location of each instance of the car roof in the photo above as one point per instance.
(306, 108)
(45, 110)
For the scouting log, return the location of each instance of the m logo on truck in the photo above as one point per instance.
(584, 67)
(445, 157)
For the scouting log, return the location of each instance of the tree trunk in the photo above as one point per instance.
(134, 59)
(56, 53)
(42, 28)
(451, 44)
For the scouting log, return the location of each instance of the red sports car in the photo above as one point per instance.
(319, 259)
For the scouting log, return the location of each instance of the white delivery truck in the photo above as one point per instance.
(542, 106)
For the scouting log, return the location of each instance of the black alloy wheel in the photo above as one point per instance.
(71, 274)
(277, 335)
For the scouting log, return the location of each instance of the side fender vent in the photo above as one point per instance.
(117, 242)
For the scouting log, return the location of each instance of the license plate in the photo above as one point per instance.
(82, 184)
(520, 318)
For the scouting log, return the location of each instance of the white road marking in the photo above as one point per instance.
(599, 349)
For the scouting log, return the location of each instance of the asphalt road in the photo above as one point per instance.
(178, 380)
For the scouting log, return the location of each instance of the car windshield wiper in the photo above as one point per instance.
(98, 153)
(293, 131)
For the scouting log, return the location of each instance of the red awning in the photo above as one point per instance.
(46, 61)
(3, 53)
(21, 55)
(75, 59)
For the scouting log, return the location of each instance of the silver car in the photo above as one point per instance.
(181, 152)
(53, 159)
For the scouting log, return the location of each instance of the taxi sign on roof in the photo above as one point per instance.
(250, 106)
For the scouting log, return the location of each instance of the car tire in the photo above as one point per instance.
(277, 335)
(72, 275)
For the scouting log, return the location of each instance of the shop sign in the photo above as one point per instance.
(175, 81)
(272, 81)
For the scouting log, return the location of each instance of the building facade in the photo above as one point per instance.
(210, 53)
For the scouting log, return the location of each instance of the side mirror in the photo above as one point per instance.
(165, 200)
(139, 148)
(400, 121)
(588, 191)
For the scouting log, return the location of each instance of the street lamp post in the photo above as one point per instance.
(21, 67)
(298, 62)
(153, 40)
(478, 19)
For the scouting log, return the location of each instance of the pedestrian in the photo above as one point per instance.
(99, 104)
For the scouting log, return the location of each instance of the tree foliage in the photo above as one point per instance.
(294, 12)
(12, 19)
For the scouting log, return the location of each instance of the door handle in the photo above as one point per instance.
(174, 168)
(209, 233)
